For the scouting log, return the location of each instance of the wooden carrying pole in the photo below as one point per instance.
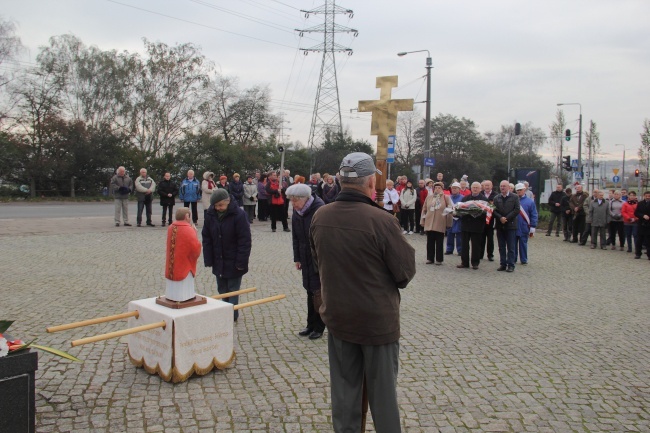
(93, 321)
(121, 333)
(238, 292)
(259, 301)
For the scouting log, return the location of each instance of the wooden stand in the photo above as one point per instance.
(197, 300)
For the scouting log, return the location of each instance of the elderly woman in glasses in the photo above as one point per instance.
(304, 206)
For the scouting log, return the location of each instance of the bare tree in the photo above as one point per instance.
(556, 139)
(644, 151)
(592, 143)
(407, 147)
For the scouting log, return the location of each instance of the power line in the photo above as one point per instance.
(199, 24)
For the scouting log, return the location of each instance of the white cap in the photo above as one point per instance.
(520, 186)
(455, 184)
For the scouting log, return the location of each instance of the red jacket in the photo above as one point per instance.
(186, 251)
(628, 212)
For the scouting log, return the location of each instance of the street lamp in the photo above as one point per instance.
(427, 127)
(579, 132)
(623, 180)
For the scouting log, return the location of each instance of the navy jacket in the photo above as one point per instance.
(302, 248)
(506, 207)
(227, 243)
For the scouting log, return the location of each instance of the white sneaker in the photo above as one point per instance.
(404, 232)
(410, 233)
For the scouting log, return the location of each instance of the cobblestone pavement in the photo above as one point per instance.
(560, 345)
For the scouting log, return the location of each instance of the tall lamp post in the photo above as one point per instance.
(427, 127)
(579, 132)
(623, 180)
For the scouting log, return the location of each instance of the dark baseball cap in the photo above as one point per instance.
(357, 164)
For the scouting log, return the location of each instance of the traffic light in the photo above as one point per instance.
(517, 128)
(567, 135)
(636, 173)
(566, 162)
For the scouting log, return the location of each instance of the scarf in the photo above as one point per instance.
(305, 208)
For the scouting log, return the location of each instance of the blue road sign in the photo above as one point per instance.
(578, 175)
(574, 163)
(390, 158)
(616, 179)
(429, 162)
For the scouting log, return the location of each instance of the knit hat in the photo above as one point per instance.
(299, 190)
(218, 195)
(222, 177)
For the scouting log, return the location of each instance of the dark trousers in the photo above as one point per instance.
(167, 209)
(585, 234)
(554, 216)
(250, 211)
(487, 242)
(262, 209)
(475, 240)
(278, 213)
(507, 242)
(643, 239)
(408, 219)
(146, 203)
(595, 231)
(193, 210)
(227, 285)
(567, 225)
(631, 232)
(616, 228)
(314, 321)
(578, 226)
(349, 364)
(435, 241)
(418, 215)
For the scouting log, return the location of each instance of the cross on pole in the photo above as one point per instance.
(384, 123)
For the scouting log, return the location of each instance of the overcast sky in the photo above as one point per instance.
(495, 62)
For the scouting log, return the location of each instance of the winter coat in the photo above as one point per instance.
(615, 208)
(643, 208)
(166, 187)
(236, 190)
(300, 225)
(227, 243)
(555, 197)
(577, 200)
(472, 224)
(207, 186)
(627, 211)
(407, 198)
(456, 224)
(272, 189)
(250, 194)
(190, 190)
(330, 192)
(142, 185)
(599, 213)
(433, 220)
(261, 191)
(527, 205)
(507, 207)
(391, 198)
(121, 186)
(586, 206)
(564, 204)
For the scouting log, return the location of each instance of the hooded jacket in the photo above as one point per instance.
(227, 243)
(207, 187)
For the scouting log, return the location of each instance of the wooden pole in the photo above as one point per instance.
(259, 301)
(236, 293)
(121, 333)
(93, 321)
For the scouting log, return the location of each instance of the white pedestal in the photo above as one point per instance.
(195, 340)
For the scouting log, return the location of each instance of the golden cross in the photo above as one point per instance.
(384, 113)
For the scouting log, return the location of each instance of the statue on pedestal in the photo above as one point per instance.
(183, 251)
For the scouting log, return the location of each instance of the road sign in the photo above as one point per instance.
(390, 158)
(616, 179)
(577, 175)
(429, 162)
(574, 163)
(615, 170)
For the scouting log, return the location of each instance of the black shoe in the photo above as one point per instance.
(151, 225)
(305, 332)
(475, 267)
(163, 224)
(461, 266)
(548, 234)
(637, 257)
(139, 225)
(315, 335)
(448, 254)
(574, 242)
(287, 230)
(524, 263)
(566, 240)
(127, 225)
(117, 224)
(273, 230)
(510, 269)
(491, 258)
(501, 268)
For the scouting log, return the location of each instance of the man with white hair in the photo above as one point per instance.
(121, 187)
(506, 212)
(144, 189)
(190, 194)
(363, 261)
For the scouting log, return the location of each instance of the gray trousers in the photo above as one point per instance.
(348, 364)
(121, 204)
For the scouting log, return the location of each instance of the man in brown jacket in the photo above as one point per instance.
(576, 204)
(363, 260)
